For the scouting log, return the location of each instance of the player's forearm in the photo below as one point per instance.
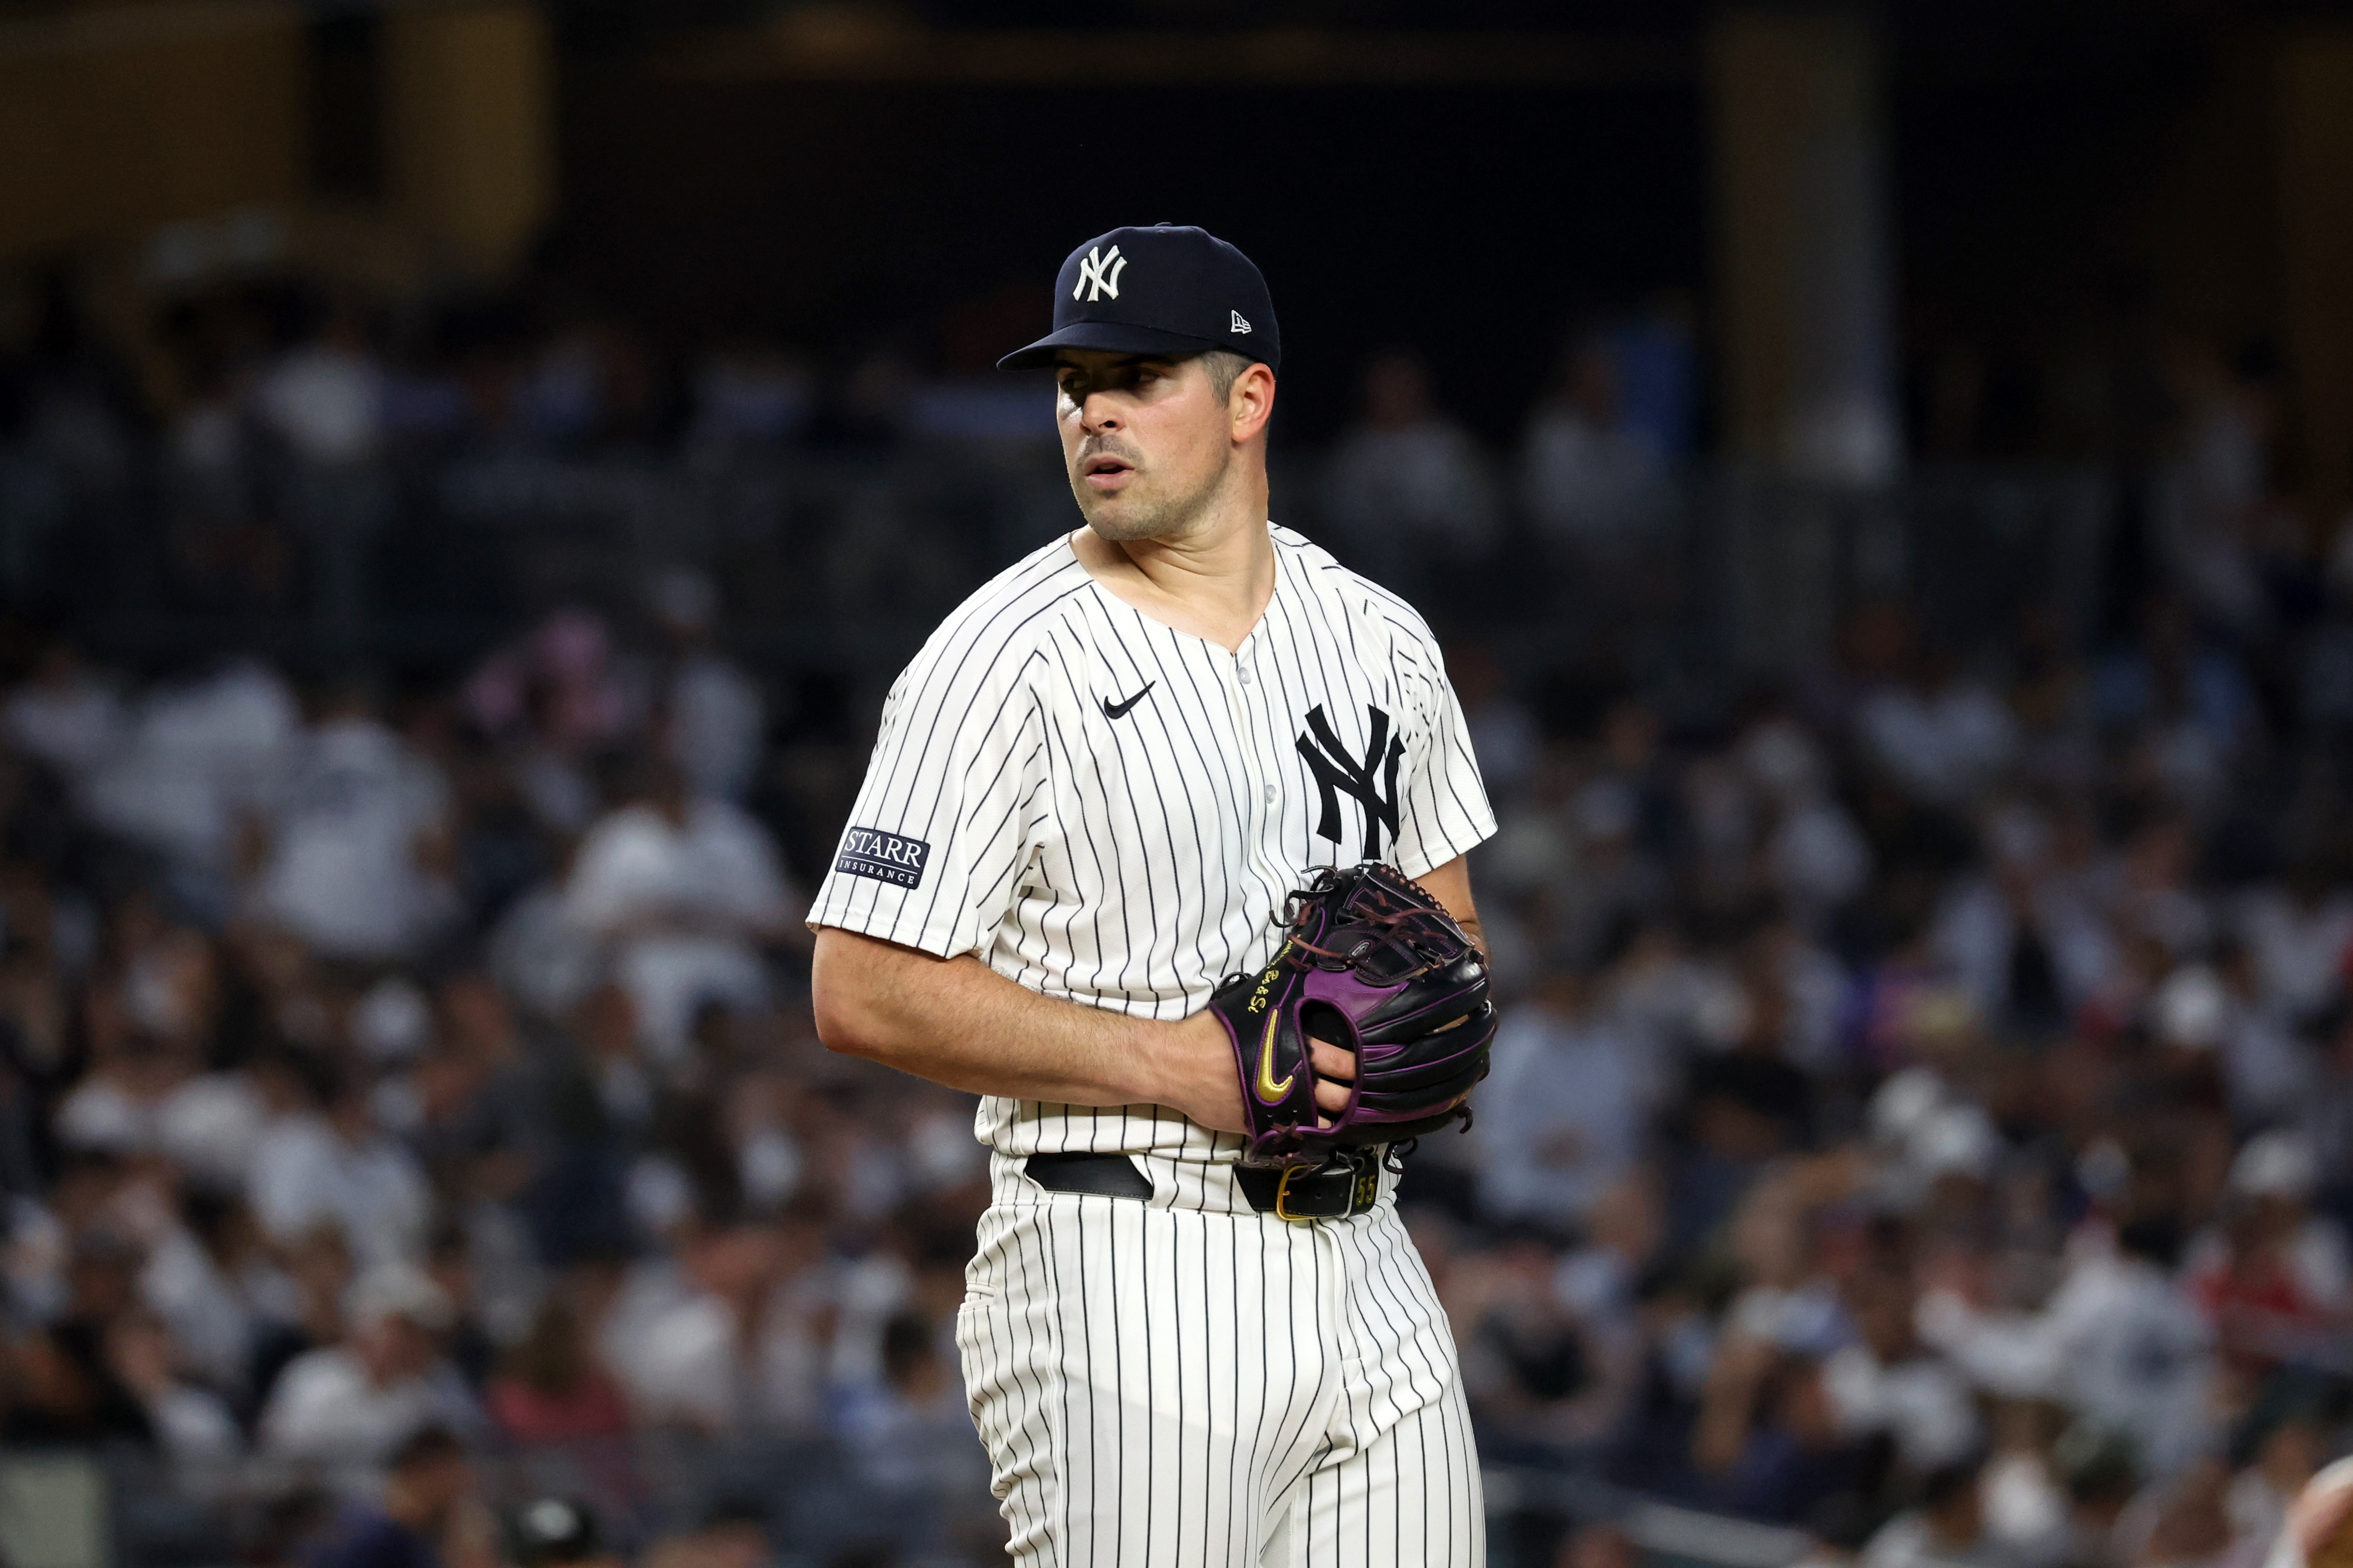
(1450, 884)
(959, 1023)
(1476, 932)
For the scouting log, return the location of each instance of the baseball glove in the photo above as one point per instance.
(1371, 963)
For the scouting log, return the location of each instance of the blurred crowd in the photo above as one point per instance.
(420, 1084)
(1924, 1116)
(274, 454)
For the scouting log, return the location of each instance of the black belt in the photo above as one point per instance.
(1347, 1183)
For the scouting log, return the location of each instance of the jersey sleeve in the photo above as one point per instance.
(1444, 811)
(941, 828)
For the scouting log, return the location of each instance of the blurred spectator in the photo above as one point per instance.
(198, 758)
(2297, 932)
(1527, 1355)
(2202, 1008)
(1504, 731)
(909, 1433)
(324, 399)
(684, 891)
(120, 1106)
(2274, 1277)
(1563, 1119)
(2025, 937)
(1941, 737)
(1407, 487)
(203, 1278)
(713, 713)
(717, 1345)
(1949, 1526)
(426, 1479)
(552, 699)
(323, 1161)
(2215, 490)
(64, 715)
(1589, 477)
(551, 1389)
(345, 1410)
(193, 1426)
(359, 840)
(2119, 1341)
(68, 1389)
(1771, 1437)
(2183, 705)
(1887, 1384)
(1816, 858)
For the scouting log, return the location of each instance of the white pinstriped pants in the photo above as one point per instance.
(1184, 1382)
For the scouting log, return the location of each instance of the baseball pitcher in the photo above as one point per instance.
(1161, 853)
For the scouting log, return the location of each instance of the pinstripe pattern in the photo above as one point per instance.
(1184, 1381)
(1165, 1384)
(1135, 862)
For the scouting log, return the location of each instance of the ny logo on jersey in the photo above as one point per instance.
(1373, 781)
(1102, 272)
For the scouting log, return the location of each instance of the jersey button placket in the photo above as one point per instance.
(1237, 676)
(1263, 833)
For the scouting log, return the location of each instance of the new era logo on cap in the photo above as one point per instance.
(1184, 294)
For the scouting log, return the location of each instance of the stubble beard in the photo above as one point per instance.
(1171, 516)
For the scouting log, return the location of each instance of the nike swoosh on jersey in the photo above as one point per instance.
(1119, 710)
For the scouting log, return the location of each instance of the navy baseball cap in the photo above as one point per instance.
(1168, 289)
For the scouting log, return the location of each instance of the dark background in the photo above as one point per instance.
(1474, 222)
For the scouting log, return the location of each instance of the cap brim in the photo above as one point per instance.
(1106, 337)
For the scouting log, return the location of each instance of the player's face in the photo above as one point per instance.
(1147, 441)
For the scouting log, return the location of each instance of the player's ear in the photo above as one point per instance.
(1251, 402)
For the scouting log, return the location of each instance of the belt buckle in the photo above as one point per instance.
(1282, 1195)
(1364, 1187)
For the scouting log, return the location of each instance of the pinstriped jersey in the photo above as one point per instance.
(1108, 810)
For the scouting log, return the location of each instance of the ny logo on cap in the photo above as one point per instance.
(1099, 271)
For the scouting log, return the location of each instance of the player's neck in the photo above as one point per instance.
(1213, 583)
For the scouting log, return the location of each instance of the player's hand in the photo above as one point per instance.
(1336, 1077)
(1198, 1074)
(1199, 1077)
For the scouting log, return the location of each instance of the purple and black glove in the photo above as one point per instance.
(1376, 966)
